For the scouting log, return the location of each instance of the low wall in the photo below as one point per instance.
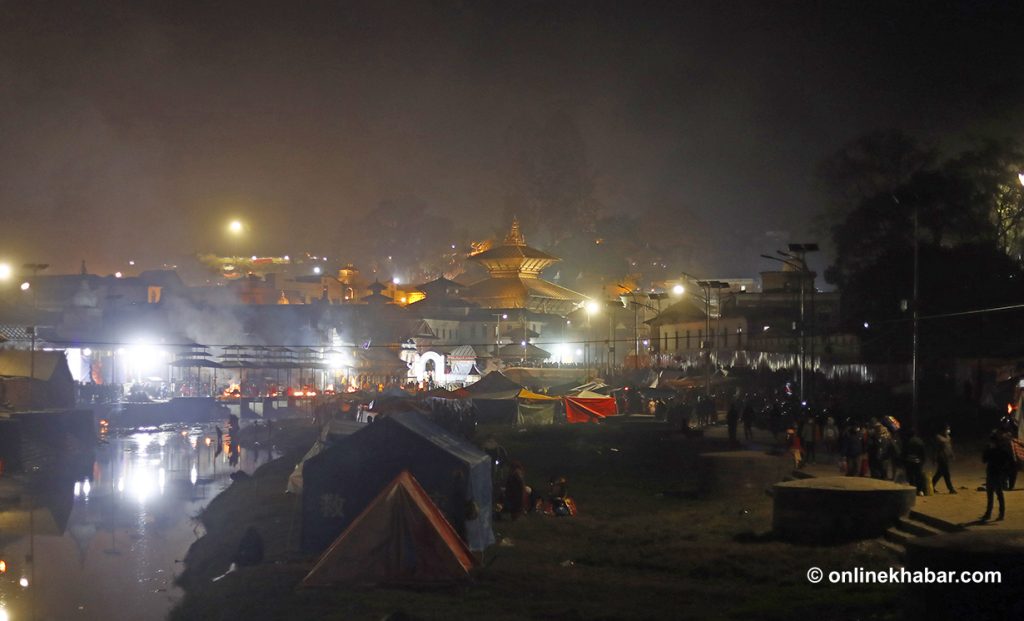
(837, 509)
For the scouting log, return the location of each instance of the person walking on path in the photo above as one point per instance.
(878, 450)
(943, 458)
(913, 460)
(809, 438)
(793, 448)
(733, 419)
(851, 450)
(748, 420)
(831, 436)
(997, 464)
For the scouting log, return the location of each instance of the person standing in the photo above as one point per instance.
(878, 450)
(515, 491)
(913, 459)
(997, 464)
(809, 437)
(748, 420)
(831, 436)
(943, 458)
(733, 419)
(851, 450)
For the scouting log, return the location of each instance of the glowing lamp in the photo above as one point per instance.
(679, 290)
(5, 271)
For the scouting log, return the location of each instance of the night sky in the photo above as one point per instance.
(136, 130)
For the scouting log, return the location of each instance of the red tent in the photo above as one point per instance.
(401, 537)
(586, 410)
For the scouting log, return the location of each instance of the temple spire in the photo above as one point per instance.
(515, 236)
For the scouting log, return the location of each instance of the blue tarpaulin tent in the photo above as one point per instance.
(340, 482)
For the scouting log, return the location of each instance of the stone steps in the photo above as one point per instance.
(914, 526)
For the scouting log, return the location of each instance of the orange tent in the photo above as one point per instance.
(401, 537)
(586, 410)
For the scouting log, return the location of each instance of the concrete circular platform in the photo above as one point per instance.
(836, 509)
(982, 549)
(731, 472)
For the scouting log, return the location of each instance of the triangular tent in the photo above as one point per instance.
(583, 410)
(295, 479)
(401, 537)
(494, 383)
(340, 482)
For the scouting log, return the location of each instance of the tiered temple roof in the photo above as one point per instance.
(514, 278)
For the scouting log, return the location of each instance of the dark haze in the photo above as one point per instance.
(136, 130)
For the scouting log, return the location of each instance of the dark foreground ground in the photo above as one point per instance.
(644, 546)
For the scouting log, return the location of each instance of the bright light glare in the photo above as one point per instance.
(23, 582)
(193, 475)
(593, 307)
(1020, 177)
(679, 290)
(5, 271)
(396, 280)
(118, 274)
(337, 361)
(3, 615)
(316, 270)
(25, 286)
(235, 227)
(87, 352)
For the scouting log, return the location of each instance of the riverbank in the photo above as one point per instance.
(644, 545)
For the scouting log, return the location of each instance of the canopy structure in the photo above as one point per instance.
(341, 481)
(589, 409)
(401, 537)
(529, 351)
(494, 385)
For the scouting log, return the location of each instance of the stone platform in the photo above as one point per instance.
(837, 509)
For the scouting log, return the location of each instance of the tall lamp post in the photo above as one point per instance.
(706, 345)
(592, 308)
(35, 268)
(657, 297)
(612, 306)
(796, 258)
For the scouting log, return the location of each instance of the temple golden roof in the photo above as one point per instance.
(514, 278)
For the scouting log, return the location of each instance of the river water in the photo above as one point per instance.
(108, 534)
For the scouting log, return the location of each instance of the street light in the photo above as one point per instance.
(592, 308)
(796, 259)
(612, 305)
(678, 290)
(5, 271)
(707, 286)
(235, 227)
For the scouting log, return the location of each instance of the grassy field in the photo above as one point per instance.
(644, 546)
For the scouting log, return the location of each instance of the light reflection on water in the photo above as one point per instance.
(108, 537)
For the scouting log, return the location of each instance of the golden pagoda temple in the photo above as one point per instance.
(514, 280)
